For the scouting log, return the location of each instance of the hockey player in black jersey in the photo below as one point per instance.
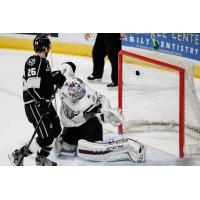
(38, 87)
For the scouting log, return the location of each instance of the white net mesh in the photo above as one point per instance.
(150, 100)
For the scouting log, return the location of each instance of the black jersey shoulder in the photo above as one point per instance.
(33, 61)
(40, 65)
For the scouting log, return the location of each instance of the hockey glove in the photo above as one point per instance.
(111, 115)
(43, 107)
(58, 78)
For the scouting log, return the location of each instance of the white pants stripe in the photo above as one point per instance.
(42, 121)
(37, 120)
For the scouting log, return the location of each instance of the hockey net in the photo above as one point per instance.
(159, 95)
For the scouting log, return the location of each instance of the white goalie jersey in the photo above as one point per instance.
(79, 102)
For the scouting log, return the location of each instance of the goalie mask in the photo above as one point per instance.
(76, 90)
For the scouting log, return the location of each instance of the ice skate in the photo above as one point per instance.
(93, 78)
(15, 156)
(44, 161)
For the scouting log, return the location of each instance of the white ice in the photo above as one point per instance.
(15, 128)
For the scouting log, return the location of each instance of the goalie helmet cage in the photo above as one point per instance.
(145, 83)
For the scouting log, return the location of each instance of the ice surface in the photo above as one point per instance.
(15, 129)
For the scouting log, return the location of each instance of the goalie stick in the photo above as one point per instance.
(21, 158)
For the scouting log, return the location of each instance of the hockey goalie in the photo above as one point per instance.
(83, 111)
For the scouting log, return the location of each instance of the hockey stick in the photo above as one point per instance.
(21, 158)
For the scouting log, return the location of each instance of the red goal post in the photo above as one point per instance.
(181, 72)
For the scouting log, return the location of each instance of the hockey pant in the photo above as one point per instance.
(66, 144)
(91, 131)
(49, 128)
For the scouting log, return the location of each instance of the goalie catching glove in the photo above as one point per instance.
(111, 115)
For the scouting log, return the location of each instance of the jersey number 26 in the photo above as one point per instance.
(31, 72)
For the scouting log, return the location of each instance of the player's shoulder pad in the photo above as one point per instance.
(33, 61)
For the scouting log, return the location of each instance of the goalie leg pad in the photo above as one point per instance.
(111, 151)
(103, 151)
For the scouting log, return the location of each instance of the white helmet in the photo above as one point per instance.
(70, 68)
(76, 89)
